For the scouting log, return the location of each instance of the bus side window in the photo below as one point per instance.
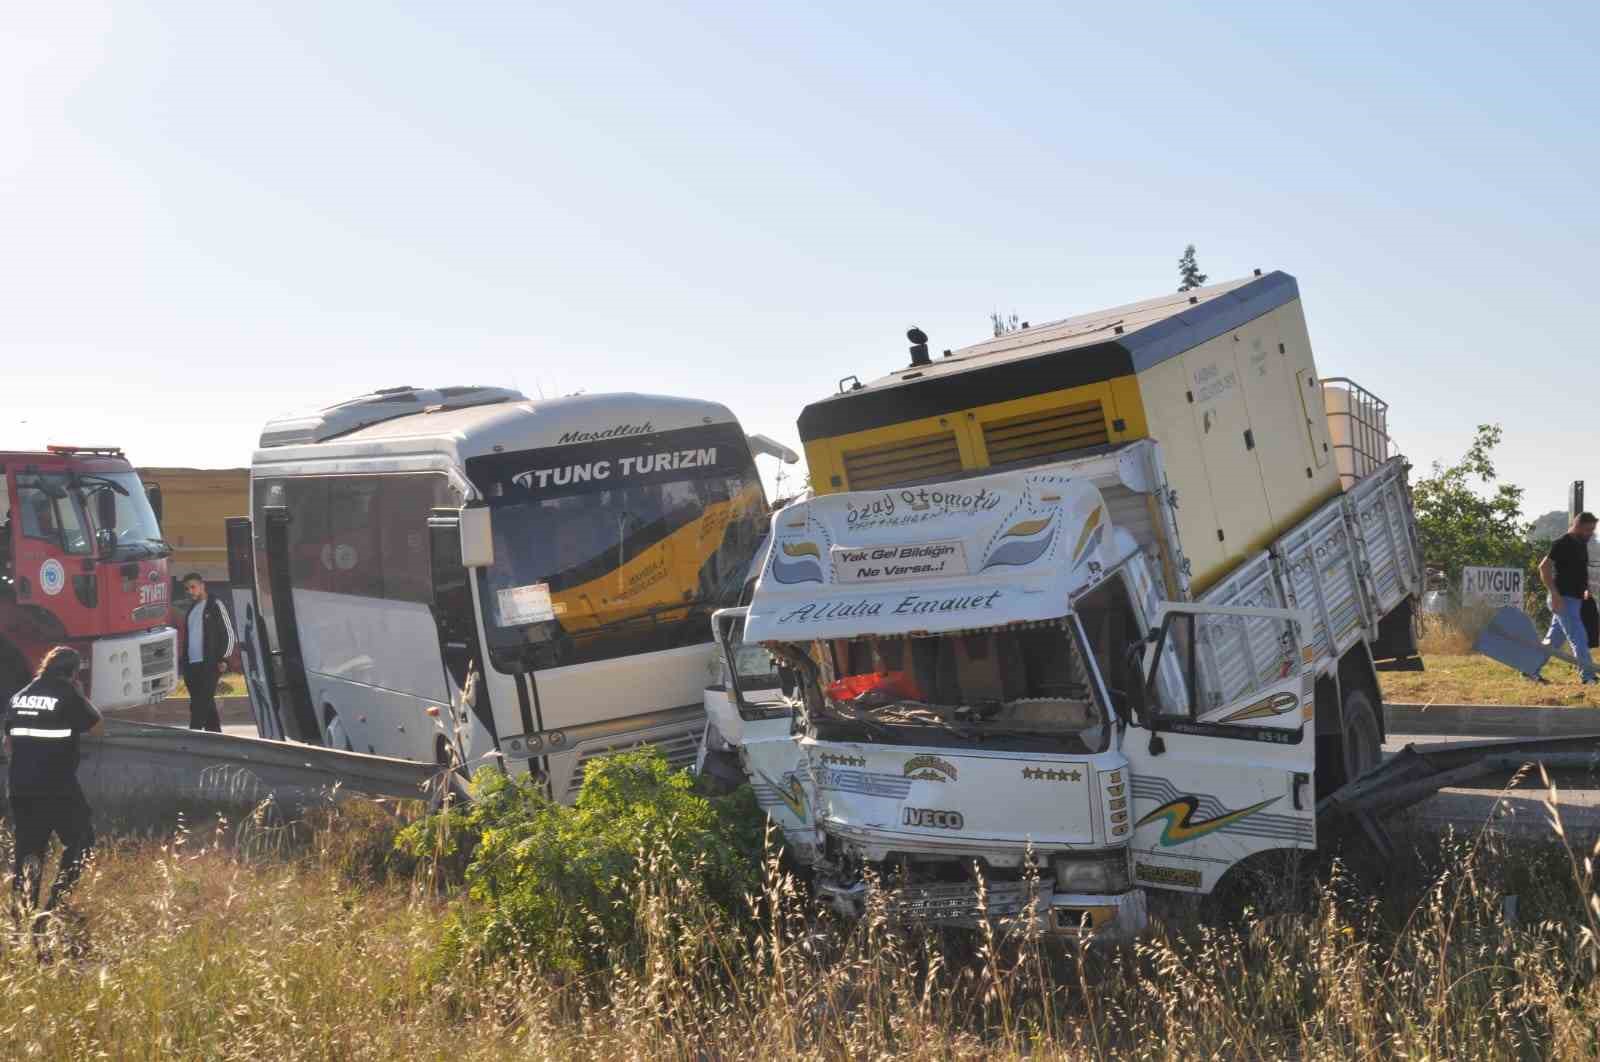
(354, 514)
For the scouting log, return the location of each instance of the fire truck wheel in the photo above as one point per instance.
(1362, 749)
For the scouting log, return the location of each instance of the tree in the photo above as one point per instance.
(1466, 517)
(1003, 325)
(1189, 270)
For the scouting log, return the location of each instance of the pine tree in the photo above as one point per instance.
(1189, 270)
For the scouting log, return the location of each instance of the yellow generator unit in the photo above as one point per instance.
(1221, 376)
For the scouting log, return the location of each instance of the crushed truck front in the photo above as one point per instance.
(953, 712)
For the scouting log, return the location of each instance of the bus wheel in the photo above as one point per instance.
(1362, 749)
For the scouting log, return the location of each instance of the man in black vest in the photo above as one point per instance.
(208, 643)
(42, 725)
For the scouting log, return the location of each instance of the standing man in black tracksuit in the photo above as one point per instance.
(208, 643)
(42, 724)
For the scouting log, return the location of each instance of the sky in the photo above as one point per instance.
(211, 214)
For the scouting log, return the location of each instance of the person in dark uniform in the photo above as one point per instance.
(208, 642)
(42, 725)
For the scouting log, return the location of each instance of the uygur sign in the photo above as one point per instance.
(1499, 586)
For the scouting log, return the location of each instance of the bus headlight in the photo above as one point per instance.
(1105, 871)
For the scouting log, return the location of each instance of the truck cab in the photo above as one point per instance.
(82, 563)
(983, 676)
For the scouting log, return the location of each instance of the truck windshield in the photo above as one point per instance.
(618, 547)
(48, 509)
(1028, 683)
(135, 532)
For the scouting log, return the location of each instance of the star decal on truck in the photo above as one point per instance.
(1051, 774)
(1180, 827)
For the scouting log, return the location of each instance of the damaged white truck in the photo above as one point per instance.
(1133, 657)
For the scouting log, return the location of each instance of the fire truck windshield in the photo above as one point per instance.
(48, 509)
(134, 531)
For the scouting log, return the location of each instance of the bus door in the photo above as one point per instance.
(287, 667)
(252, 637)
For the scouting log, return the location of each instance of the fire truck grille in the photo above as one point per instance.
(156, 657)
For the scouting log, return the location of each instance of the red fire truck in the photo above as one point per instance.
(82, 563)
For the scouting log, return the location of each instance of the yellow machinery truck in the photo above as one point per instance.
(1221, 376)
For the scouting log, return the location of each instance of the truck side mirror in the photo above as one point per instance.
(477, 537)
(105, 514)
(153, 492)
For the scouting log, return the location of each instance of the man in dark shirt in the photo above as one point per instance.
(1565, 574)
(42, 725)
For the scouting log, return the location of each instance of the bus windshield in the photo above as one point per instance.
(617, 547)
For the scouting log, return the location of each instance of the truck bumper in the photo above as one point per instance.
(133, 669)
(1062, 915)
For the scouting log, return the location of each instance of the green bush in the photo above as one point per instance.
(559, 887)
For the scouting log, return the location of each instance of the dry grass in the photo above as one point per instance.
(229, 685)
(1474, 679)
(233, 942)
(1457, 675)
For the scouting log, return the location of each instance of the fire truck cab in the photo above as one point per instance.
(82, 563)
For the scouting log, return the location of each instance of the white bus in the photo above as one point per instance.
(570, 552)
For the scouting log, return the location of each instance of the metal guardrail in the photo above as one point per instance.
(1491, 720)
(1418, 772)
(133, 761)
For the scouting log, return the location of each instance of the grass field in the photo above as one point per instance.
(1453, 678)
(1456, 675)
(229, 685)
(225, 941)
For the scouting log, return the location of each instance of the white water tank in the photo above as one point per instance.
(1358, 424)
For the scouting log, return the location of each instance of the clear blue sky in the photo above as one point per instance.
(212, 213)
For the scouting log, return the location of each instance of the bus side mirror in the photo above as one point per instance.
(477, 538)
(153, 492)
(762, 444)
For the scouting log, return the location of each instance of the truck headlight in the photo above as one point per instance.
(1096, 872)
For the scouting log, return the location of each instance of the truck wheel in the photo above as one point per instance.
(1362, 749)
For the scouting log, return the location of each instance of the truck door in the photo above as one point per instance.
(1224, 748)
(768, 749)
